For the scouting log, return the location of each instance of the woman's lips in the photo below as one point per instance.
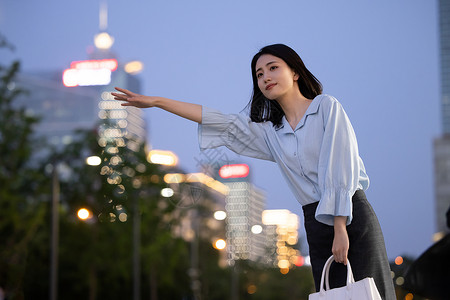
(269, 86)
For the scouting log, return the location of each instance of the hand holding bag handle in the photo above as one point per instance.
(361, 290)
(326, 268)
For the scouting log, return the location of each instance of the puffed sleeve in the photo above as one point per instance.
(339, 166)
(235, 131)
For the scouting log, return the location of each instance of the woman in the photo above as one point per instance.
(311, 139)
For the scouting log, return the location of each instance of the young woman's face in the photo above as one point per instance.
(275, 78)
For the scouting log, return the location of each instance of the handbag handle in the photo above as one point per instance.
(326, 274)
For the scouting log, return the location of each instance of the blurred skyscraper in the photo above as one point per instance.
(64, 109)
(80, 98)
(244, 206)
(442, 144)
(281, 228)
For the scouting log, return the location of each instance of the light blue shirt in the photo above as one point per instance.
(319, 159)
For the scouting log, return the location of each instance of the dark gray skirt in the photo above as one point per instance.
(367, 252)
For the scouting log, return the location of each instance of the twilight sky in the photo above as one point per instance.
(380, 59)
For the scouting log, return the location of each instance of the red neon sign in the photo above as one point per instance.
(234, 171)
(110, 64)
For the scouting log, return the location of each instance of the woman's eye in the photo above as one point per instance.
(273, 68)
(258, 75)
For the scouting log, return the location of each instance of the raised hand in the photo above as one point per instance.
(133, 99)
(186, 110)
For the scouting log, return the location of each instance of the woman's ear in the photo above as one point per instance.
(296, 77)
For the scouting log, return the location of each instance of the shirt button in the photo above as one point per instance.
(295, 153)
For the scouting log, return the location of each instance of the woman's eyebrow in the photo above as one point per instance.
(266, 66)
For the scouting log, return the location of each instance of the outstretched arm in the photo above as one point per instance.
(186, 110)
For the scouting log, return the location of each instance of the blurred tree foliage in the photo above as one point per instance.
(23, 185)
(96, 255)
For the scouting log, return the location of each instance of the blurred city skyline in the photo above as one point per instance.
(379, 59)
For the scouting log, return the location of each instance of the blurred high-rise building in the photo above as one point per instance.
(244, 206)
(203, 200)
(80, 98)
(442, 144)
(65, 109)
(281, 228)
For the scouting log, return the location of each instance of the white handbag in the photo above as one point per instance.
(360, 290)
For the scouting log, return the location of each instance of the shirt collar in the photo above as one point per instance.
(313, 108)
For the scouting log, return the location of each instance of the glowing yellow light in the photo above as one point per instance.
(282, 250)
(398, 260)
(280, 217)
(409, 296)
(134, 67)
(257, 229)
(167, 192)
(115, 160)
(283, 264)
(160, 157)
(197, 177)
(220, 215)
(292, 240)
(83, 214)
(251, 289)
(112, 217)
(173, 178)
(123, 217)
(284, 271)
(93, 160)
(103, 41)
(220, 187)
(220, 244)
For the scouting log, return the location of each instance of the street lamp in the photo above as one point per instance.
(167, 192)
(220, 215)
(162, 157)
(84, 214)
(93, 160)
(220, 244)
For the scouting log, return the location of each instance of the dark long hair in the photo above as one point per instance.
(263, 109)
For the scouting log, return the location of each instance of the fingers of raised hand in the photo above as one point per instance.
(125, 92)
(121, 97)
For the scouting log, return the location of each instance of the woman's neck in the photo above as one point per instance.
(294, 107)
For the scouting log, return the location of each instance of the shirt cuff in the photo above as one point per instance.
(335, 203)
(212, 132)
